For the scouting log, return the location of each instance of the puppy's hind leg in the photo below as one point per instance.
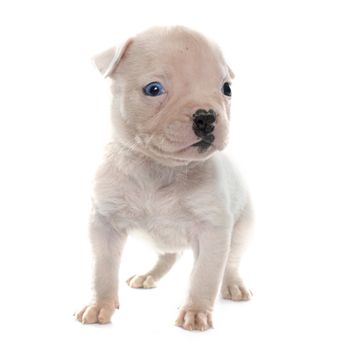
(233, 287)
(149, 279)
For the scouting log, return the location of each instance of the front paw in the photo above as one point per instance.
(96, 313)
(194, 320)
(236, 290)
(141, 281)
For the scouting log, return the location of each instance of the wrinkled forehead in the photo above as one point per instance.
(176, 54)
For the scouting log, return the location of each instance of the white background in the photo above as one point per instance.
(290, 138)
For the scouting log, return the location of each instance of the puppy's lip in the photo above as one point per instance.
(205, 142)
(198, 143)
(202, 143)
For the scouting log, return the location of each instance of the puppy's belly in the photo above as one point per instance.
(164, 238)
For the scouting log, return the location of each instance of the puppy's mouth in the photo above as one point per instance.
(204, 143)
(178, 152)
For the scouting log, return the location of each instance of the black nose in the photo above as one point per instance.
(203, 122)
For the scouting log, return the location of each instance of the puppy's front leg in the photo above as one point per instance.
(107, 245)
(211, 253)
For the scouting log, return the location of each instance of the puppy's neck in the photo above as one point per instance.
(135, 164)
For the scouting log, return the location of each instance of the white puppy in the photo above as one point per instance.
(163, 175)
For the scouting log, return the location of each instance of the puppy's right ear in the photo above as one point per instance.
(107, 61)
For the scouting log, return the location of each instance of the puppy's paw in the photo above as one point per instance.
(96, 313)
(236, 291)
(141, 281)
(194, 320)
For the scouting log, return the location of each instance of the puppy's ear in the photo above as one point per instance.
(230, 73)
(107, 61)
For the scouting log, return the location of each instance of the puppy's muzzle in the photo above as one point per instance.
(203, 126)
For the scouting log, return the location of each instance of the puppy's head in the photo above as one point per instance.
(171, 94)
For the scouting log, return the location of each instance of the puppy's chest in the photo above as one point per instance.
(159, 215)
(150, 205)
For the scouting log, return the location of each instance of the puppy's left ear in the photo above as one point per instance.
(107, 61)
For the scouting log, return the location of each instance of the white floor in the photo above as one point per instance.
(290, 310)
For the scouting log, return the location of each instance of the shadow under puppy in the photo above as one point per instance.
(164, 175)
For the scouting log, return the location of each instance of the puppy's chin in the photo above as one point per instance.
(189, 154)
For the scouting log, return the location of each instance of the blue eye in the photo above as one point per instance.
(154, 89)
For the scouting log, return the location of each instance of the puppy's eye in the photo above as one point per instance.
(226, 89)
(154, 89)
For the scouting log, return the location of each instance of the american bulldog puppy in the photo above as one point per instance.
(164, 176)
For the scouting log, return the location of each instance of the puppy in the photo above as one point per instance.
(164, 176)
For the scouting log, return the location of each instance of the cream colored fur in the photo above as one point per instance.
(154, 182)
